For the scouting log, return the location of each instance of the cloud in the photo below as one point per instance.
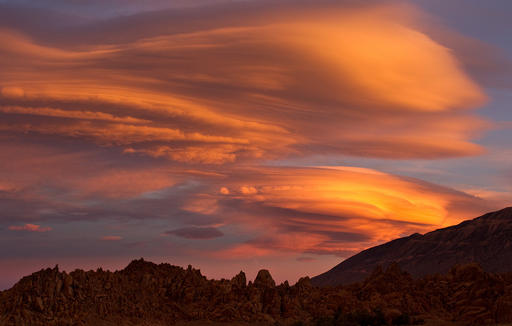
(180, 120)
(12, 92)
(236, 90)
(272, 210)
(272, 213)
(200, 233)
(59, 113)
(111, 238)
(337, 211)
(192, 154)
(30, 228)
(95, 9)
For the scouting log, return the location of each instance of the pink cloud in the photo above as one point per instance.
(111, 238)
(201, 233)
(29, 227)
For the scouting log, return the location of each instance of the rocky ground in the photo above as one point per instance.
(148, 294)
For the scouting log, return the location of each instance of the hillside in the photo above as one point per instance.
(486, 240)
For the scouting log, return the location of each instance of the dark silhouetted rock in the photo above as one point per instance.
(239, 280)
(148, 294)
(264, 279)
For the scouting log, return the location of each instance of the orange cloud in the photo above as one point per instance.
(120, 134)
(237, 92)
(30, 228)
(12, 92)
(179, 122)
(385, 61)
(265, 211)
(338, 210)
(60, 113)
(192, 154)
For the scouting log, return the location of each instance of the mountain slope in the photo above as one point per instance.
(486, 240)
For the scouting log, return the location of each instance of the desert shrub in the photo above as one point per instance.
(403, 319)
(325, 321)
(362, 318)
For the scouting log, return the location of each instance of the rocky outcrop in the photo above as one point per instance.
(239, 281)
(264, 279)
(486, 240)
(148, 294)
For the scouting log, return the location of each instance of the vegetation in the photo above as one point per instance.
(363, 318)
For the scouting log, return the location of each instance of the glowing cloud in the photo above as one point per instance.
(30, 228)
(386, 61)
(338, 210)
(12, 92)
(155, 123)
(258, 90)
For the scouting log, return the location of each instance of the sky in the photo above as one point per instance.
(240, 135)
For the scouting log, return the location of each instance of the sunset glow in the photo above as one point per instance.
(252, 134)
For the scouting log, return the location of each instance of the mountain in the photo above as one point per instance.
(486, 240)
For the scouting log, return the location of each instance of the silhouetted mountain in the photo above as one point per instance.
(486, 240)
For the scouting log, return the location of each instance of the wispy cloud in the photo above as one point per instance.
(111, 238)
(30, 228)
(196, 233)
(236, 92)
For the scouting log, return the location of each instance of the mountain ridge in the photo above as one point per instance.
(486, 240)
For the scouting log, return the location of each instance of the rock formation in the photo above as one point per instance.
(148, 294)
